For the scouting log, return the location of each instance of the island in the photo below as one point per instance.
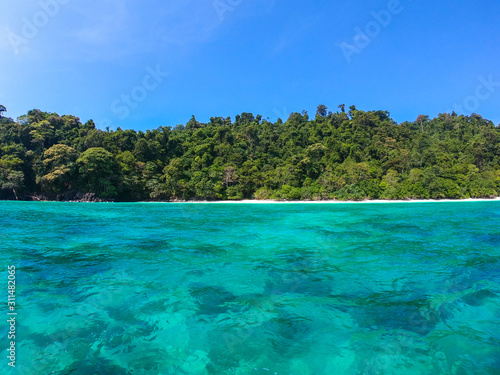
(347, 155)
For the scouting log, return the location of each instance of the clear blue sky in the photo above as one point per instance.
(108, 60)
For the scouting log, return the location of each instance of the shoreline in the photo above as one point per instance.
(331, 201)
(271, 201)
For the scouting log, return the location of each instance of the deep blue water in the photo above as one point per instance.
(146, 288)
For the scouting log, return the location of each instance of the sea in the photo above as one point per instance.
(237, 288)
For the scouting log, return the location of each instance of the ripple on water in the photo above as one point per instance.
(256, 289)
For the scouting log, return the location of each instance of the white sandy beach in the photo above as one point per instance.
(355, 202)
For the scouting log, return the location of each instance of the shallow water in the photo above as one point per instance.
(401, 288)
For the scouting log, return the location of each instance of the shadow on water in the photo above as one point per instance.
(211, 300)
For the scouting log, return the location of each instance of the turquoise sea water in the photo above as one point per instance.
(146, 288)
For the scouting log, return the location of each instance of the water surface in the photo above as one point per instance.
(143, 288)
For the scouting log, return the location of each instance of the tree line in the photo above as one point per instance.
(346, 155)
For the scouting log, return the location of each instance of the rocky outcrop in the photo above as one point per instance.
(75, 196)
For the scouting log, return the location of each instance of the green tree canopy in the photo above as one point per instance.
(97, 170)
(354, 155)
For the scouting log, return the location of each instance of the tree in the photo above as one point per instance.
(229, 176)
(390, 184)
(358, 155)
(12, 181)
(132, 177)
(97, 169)
(59, 155)
(42, 132)
(421, 119)
(11, 175)
(321, 111)
(59, 167)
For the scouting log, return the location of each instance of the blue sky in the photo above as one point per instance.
(153, 63)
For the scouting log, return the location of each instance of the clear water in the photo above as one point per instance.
(410, 288)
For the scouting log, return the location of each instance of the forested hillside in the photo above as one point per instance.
(351, 155)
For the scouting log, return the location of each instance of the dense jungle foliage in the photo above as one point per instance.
(351, 155)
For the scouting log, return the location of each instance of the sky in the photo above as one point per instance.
(144, 64)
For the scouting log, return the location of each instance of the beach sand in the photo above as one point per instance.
(358, 202)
